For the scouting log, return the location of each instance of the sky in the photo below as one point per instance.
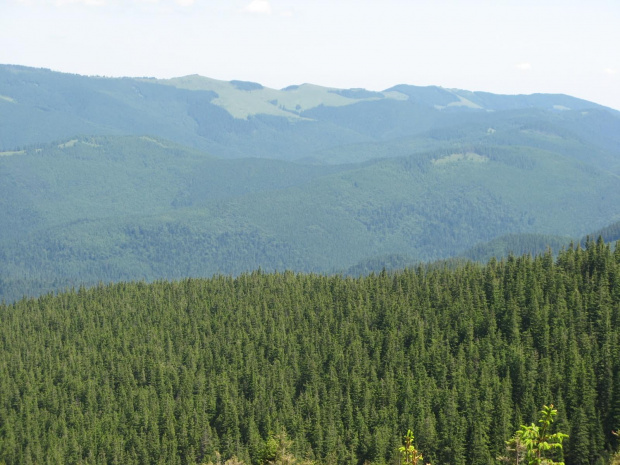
(500, 46)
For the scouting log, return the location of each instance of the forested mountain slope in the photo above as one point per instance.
(238, 119)
(94, 209)
(107, 179)
(175, 372)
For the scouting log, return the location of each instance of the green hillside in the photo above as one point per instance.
(517, 244)
(235, 119)
(187, 194)
(244, 99)
(40, 106)
(199, 371)
(96, 209)
(106, 179)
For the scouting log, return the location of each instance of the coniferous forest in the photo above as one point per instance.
(202, 370)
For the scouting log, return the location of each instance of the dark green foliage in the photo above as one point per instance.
(610, 233)
(175, 372)
(377, 264)
(516, 244)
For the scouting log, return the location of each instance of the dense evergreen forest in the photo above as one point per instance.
(199, 371)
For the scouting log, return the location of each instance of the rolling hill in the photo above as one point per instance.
(123, 208)
(120, 179)
(306, 122)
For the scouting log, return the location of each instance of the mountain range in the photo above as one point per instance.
(107, 179)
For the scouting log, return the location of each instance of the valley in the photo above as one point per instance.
(114, 179)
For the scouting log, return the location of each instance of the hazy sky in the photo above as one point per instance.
(503, 46)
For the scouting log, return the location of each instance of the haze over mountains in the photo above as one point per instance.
(138, 178)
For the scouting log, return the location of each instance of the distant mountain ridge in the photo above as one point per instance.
(305, 122)
(243, 99)
(107, 179)
(248, 98)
